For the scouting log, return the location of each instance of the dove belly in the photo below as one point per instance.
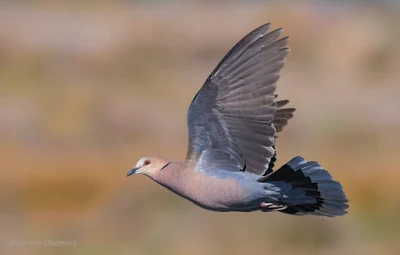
(233, 193)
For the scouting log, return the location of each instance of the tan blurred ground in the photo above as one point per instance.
(87, 89)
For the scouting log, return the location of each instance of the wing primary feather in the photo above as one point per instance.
(241, 46)
(255, 48)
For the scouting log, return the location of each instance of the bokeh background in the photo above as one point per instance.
(87, 88)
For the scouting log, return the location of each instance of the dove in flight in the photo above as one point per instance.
(232, 122)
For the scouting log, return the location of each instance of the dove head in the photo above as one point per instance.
(149, 166)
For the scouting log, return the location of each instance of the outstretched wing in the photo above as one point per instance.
(231, 120)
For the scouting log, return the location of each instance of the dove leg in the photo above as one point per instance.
(270, 207)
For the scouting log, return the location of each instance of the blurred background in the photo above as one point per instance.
(87, 88)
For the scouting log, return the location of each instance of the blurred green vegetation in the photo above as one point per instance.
(85, 92)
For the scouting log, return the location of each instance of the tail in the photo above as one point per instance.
(311, 191)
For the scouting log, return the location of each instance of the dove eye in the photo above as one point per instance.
(147, 162)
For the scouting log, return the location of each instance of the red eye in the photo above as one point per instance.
(147, 162)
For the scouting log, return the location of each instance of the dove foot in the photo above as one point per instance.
(270, 207)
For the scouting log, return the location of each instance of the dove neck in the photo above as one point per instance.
(171, 177)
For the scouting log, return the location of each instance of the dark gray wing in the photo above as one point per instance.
(231, 119)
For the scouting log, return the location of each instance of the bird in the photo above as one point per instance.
(233, 123)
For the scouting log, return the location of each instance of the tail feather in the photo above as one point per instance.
(313, 191)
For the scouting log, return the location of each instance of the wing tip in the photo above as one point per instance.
(264, 28)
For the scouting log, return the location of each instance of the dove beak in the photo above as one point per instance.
(133, 171)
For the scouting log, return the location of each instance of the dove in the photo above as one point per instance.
(233, 123)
